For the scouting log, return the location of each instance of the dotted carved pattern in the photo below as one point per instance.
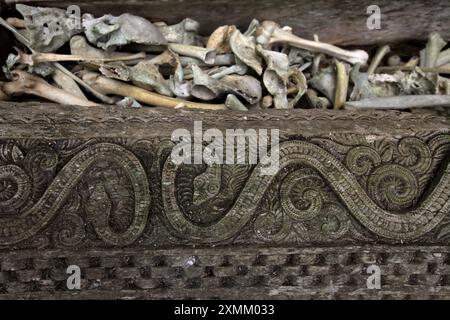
(112, 192)
(271, 273)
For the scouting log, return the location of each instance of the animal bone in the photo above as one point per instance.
(25, 83)
(267, 101)
(276, 62)
(233, 103)
(16, 22)
(115, 71)
(208, 56)
(245, 86)
(315, 101)
(56, 27)
(207, 88)
(245, 51)
(219, 60)
(325, 82)
(300, 86)
(444, 58)
(80, 47)
(111, 32)
(110, 86)
(270, 32)
(128, 102)
(184, 32)
(26, 42)
(394, 60)
(67, 84)
(388, 85)
(225, 71)
(251, 29)
(38, 57)
(430, 55)
(146, 75)
(377, 58)
(341, 85)
(276, 76)
(441, 70)
(401, 102)
(219, 40)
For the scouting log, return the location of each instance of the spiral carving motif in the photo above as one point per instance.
(405, 226)
(414, 154)
(361, 160)
(305, 188)
(393, 186)
(29, 222)
(14, 187)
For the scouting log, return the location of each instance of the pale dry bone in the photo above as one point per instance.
(219, 40)
(16, 22)
(342, 80)
(316, 101)
(429, 56)
(25, 83)
(67, 84)
(401, 102)
(245, 50)
(206, 55)
(381, 53)
(42, 38)
(208, 88)
(233, 103)
(184, 32)
(80, 47)
(110, 32)
(394, 60)
(26, 42)
(38, 57)
(444, 58)
(441, 70)
(111, 86)
(270, 33)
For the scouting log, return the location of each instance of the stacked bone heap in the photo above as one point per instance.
(129, 61)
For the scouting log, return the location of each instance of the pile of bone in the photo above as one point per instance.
(129, 61)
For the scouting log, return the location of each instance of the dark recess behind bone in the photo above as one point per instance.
(340, 22)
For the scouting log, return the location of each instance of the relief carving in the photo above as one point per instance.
(118, 192)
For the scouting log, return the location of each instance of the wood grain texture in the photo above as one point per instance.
(340, 22)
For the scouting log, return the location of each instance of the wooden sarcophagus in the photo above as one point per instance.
(353, 190)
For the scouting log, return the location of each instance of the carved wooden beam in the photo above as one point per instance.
(377, 176)
(83, 184)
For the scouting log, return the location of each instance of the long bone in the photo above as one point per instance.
(39, 57)
(111, 86)
(25, 83)
(26, 42)
(270, 33)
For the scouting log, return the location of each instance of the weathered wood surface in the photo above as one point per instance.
(95, 187)
(340, 22)
(365, 177)
(414, 272)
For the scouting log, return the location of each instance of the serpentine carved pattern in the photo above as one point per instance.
(97, 192)
(17, 227)
(405, 226)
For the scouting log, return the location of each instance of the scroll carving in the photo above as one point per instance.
(20, 185)
(120, 192)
